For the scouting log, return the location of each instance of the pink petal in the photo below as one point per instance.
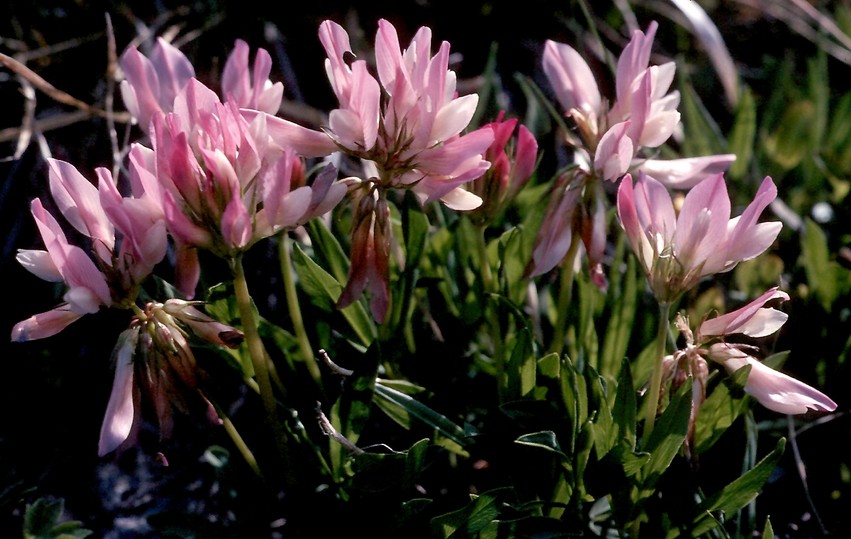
(77, 199)
(119, 418)
(44, 325)
(304, 141)
(571, 79)
(686, 173)
(748, 320)
(39, 264)
(780, 392)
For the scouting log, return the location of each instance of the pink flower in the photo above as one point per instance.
(512, 164)
(153, 360)
(773, 389)
(576, 209)
(642, 115)
(119, 263)
(226, 183)
(574, 84)
(413, 135)
(152, 83)
(752, 320)
(676, 251)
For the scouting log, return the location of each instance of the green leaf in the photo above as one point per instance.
(550, 366)
(625, 408)
(720, 410)
(327, 249)
(767, 530)
(742, 136)
(740, 492)
(415, 228)
(469, 521)
(522, 365)
(790, 142)
(624, 302)
(41, 521)
(396, 472)
(324, 291)
(819, 92)
(666, 439)
(403, 408)
(702, 134)
(514, 249)
(815, 258)
(545, 439)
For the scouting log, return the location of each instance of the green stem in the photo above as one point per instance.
(652, 399)
(237, 440)
(287, 271)
(565, 295)
(257, 353)
(489, 285)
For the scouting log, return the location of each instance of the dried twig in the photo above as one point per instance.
(329, 430)
(56, 94)
(333, 366)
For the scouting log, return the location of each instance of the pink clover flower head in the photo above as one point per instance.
(413, 134)
(676, 251)
(154, 361)
(643, 113)
(127, 239)
(226, 182)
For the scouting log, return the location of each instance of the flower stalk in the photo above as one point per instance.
(287, 271)
(258, 355)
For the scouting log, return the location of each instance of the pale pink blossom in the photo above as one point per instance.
(773, 389)
(676, 251)
(753, 320)
(413, 134)
(556, 233)
(118, 263)
(226, 183)
(610, 141)
(574, 85)
(643, 113)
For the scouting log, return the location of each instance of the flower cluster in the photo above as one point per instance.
(214, 178)
(609, 141)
